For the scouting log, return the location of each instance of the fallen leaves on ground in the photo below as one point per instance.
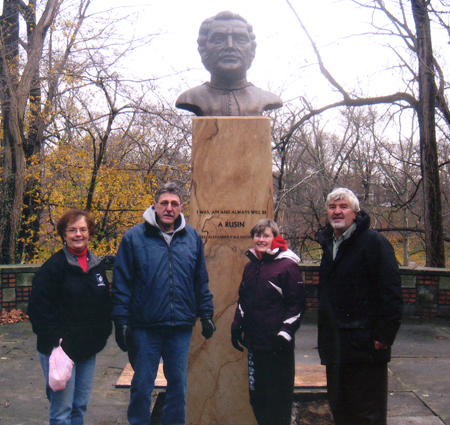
(13, 316)
(311, 413)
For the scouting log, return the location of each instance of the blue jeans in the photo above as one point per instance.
(68, 406)
(146, 348)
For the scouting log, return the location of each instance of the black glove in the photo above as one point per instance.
(281, 344)
(236, 338)
(121, 335)
(208, 327)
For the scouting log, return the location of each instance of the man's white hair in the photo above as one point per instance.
(343, 193)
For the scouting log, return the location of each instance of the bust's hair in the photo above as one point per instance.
(344, 193)
(226, 15)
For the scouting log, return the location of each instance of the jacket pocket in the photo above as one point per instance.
(359, 339)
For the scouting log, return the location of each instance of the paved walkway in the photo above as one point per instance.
(419, 380)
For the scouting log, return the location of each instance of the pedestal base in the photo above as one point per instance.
(231, 190)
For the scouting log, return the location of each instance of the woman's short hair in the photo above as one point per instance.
(73, 215)
(343, 193)
(262, 225)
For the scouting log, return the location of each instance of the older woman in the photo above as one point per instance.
(70, 300)
(270, 307)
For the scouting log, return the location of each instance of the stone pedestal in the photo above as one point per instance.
(231, 190)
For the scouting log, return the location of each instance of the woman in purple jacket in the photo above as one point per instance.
(269, 311)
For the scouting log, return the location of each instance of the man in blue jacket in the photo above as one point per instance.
(160, 289)
(360, 308)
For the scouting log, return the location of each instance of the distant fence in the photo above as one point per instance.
(426, 291)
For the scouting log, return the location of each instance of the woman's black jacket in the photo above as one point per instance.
(70, 304)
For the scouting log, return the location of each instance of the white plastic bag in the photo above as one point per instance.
(60, 368)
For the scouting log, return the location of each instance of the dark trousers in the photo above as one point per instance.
(271, 384)
(357, 393)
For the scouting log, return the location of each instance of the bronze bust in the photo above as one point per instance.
(227, 45)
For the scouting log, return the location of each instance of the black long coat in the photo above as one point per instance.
(360, 297)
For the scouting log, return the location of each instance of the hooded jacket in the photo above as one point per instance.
(360, 297)
(271, 299)
(160, 279)
(68, 303)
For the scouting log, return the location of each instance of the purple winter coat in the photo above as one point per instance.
(271, 299)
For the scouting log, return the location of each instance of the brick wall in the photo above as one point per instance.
(426, 291)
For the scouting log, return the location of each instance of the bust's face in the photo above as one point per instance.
(228, 49)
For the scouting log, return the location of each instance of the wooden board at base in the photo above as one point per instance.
(306, 376)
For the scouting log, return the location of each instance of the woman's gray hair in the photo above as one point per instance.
(262, 225)
(344, 193)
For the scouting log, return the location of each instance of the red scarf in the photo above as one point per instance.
(81, 257)
(279, 242)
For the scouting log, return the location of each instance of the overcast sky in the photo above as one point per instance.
(284, 60)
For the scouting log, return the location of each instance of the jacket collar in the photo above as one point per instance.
(276, 254)
(150, 221)
(92, 260)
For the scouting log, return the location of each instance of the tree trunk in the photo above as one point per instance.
(28, 235)
(434, 233)
(16, 84)
(12, 155)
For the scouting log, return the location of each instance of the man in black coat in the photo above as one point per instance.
(360, 307)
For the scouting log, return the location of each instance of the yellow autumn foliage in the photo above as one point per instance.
(122, 193)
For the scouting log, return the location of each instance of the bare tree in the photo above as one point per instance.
(18, 83)
(42, 98)
(430, 102)
(43, 88)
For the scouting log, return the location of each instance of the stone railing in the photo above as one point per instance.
(426, 291)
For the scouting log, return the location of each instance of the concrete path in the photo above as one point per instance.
(419, 380)
(419, 372)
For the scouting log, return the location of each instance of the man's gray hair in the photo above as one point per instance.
(344, 193)
(169, 187)
(261, 226)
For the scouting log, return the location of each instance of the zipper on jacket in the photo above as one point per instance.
(171, 287)
(258, 269)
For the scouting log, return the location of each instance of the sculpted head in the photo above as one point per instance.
(227, 46)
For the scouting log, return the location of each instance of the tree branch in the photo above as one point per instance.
(324, 71)
(396, 97)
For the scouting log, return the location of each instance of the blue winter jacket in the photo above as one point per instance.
(160, 284)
